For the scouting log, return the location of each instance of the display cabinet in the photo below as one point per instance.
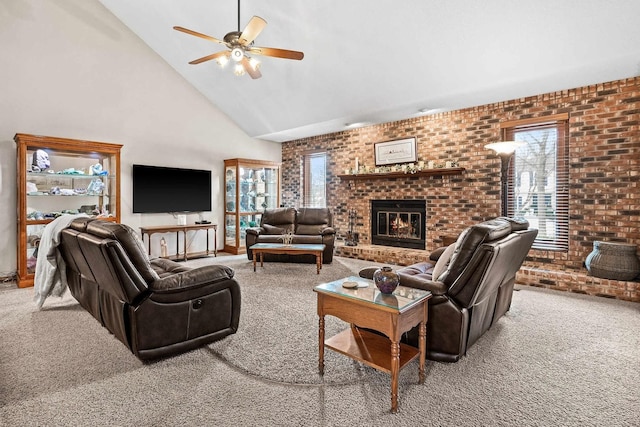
(251, 186)
(58, 176)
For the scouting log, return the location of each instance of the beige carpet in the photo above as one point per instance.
(554, 359)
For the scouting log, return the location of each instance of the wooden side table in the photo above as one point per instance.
(183, 229)
(368, 308)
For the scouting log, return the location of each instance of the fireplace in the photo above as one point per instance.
(399, 223)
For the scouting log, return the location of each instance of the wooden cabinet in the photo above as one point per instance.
(251, 186)
(57, 176)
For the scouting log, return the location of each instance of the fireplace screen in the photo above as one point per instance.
(403, 225)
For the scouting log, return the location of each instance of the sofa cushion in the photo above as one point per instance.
(270, 229)
(283, 218)
(309, 229)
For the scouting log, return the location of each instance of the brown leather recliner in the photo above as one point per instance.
(156, 308)
(471, 282)
(308, 225)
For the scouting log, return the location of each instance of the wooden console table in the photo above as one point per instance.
(183, 228)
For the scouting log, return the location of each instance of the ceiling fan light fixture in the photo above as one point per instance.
(237, 54)
(222, 61)
(255, 64)
(238, 70)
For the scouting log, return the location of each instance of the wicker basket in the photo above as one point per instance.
(616, 261)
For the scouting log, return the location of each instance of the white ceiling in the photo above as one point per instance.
(376, 61)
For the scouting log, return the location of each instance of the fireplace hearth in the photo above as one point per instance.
(398, 223)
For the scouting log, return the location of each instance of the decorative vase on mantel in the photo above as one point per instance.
(617, 261)
(386, 280)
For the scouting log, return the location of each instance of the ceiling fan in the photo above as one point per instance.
(240, 44)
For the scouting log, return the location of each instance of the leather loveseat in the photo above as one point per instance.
(155, 307)
(308, 225)
(472, 283)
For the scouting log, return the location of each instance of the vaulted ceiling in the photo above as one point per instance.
(374, 61)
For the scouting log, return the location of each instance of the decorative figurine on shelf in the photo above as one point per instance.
(97, 170)
(40, 161)
(163, 248)
(287, 238)
(95, 188)
(352, 238)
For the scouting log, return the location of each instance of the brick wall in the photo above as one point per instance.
(604, 150)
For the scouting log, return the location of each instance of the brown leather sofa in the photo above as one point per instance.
(156, 308)
(472, 283)
(308, 225)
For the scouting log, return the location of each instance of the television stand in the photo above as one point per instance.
(149, 231)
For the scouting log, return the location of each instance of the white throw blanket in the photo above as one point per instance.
(50, 277)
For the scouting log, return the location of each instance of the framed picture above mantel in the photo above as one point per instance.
(395, 152)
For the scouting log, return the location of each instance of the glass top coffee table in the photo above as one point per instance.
(367, 307)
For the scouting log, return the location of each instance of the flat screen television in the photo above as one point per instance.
(158, 189)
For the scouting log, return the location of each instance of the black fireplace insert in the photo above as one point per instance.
(399, 223)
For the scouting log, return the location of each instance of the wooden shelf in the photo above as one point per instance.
(371, 349)
(388, 175)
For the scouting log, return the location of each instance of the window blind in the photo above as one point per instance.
(538, 181)
(314, 179)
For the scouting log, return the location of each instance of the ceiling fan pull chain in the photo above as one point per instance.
(238, 15)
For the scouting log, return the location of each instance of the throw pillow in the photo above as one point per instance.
(443, 262)
(435, 255)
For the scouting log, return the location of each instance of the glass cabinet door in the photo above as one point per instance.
(230, 230)
(271, 193)
(251, 186)
(58, 176)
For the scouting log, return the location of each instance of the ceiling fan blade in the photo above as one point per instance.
(251, 31)
(194, 33)
(253, 72)
(210, 57)
(278, 53)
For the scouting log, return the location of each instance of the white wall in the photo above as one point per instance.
(71, 69)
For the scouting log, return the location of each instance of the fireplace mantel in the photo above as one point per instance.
(400, 174)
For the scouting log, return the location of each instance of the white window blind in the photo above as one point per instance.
(315, 180)
(539, 179)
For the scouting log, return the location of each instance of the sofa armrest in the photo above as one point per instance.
(327, 231)
(256, 231)
(436, 287)
(367, 272)
(193, 278)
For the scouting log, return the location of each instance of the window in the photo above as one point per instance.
(314, 180)
(539, 178)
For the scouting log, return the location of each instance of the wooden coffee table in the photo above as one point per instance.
(293, 249)
(368, 308)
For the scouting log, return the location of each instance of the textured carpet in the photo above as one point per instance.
(554, 359)
(278, 336)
